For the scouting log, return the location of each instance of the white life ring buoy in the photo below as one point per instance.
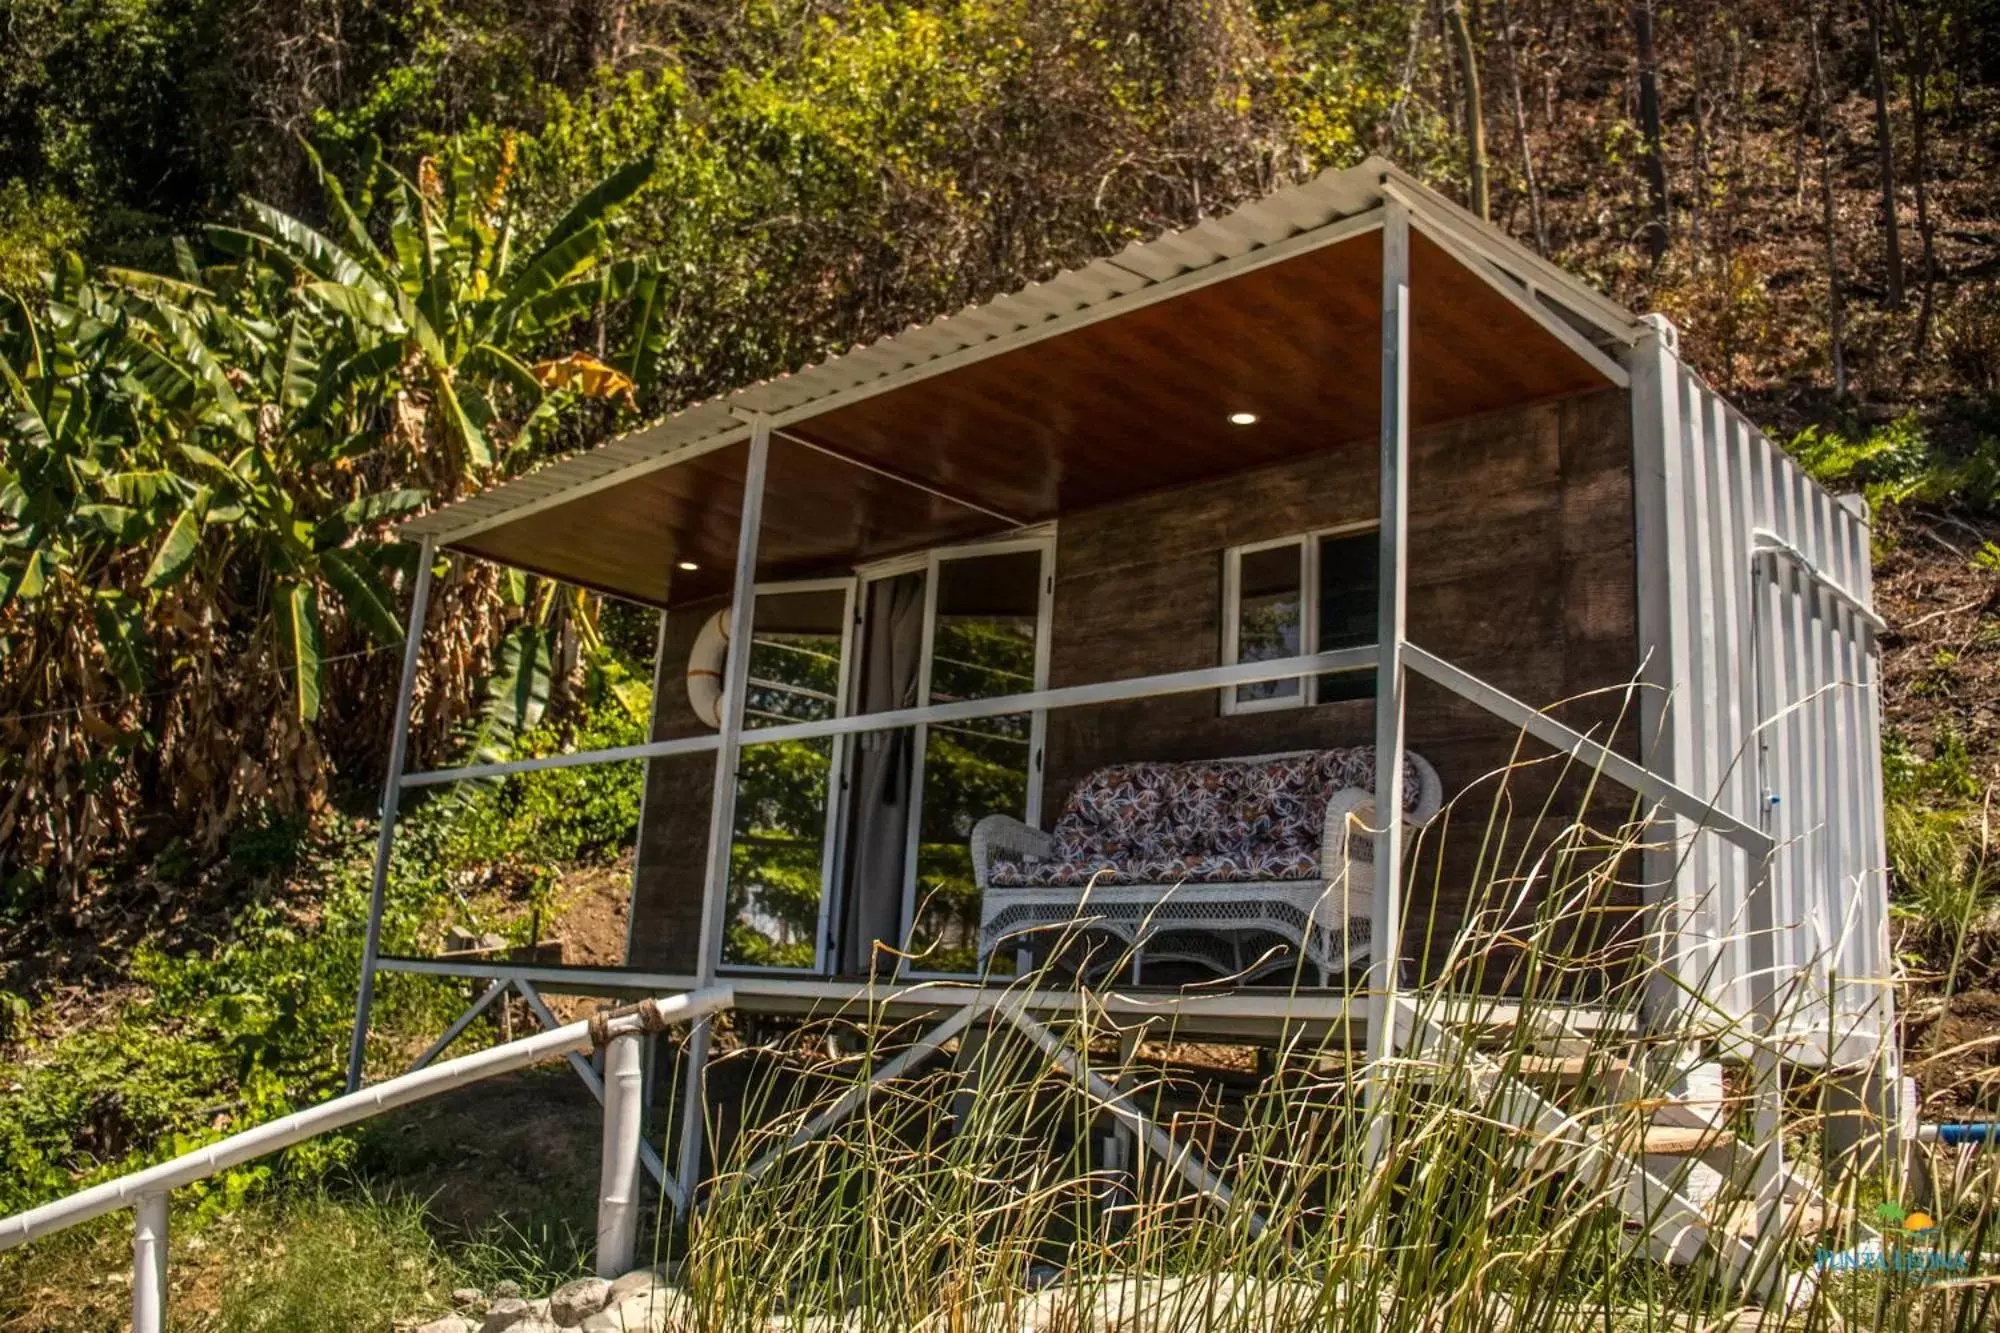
(704, 669)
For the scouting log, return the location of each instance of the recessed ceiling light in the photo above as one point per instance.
(689, 565)
(1242, 418)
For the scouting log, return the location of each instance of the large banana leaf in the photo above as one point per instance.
(121, 635)
(22, 577)
(298, 631)
(648, 338)
(362, 594)
(308, 247)
(177, 552)
(594, 205)
(516, 695)
(555, 266)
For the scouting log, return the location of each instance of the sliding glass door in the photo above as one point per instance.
(786, 845)
(986, 628)
(848, 851)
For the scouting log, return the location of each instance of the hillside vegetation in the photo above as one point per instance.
(278, 275)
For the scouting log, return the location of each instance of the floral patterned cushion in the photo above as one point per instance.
(1211, 822)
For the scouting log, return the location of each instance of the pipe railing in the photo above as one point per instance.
(145, 1192)
(964, 710)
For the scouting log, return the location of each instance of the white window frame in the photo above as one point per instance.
(1042, 540)
(833, 842)
(1307, 543)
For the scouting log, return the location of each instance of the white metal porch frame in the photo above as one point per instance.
(1398, 209)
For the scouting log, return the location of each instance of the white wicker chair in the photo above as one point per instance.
(1224, 925)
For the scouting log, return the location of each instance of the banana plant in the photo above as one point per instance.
(206, 460)
(82, 473)
(430, 334)
(455, 301)
(559, 629)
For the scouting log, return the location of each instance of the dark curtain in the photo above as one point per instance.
(872, 898)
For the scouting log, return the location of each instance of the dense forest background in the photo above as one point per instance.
(1802, 189)
(276, 275)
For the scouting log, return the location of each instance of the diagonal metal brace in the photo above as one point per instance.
(1178, 1156)
(463, 1021)
(1613, 765)
(859, 1096)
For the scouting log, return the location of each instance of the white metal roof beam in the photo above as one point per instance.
(1551, 283)
(853, 460)
(1527, 299)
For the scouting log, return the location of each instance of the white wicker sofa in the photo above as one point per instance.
(1212, 862)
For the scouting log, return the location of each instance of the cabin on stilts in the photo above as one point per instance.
(1218, 624)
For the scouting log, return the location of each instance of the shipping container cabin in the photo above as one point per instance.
(1082, 616)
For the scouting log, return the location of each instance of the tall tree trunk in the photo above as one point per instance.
(1475, 117)
(1885, 147)
(1528, 179)
(1834, 316)
(1698, 195)
(1405, 86)
(1657, 231)
(1920, 84)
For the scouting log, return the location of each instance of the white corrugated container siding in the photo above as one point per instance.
(1761, 601)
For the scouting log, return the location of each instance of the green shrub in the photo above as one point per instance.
(254, 1024)
(1943, 873)
(1899, 462)
(558, 815)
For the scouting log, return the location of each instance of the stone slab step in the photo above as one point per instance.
(1683, 1140)
(1570, 1069)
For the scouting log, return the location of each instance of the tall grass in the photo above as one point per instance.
(987, 1188)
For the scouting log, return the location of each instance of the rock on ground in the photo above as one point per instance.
(638, 1282)
(506, 1312)
(653, 1309)
(451, 1323)
(576, 1301)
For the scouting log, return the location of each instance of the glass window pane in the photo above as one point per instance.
(1271, 605)
(983, 647)
(1349, 568)
(776, 859)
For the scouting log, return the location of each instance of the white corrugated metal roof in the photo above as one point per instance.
(1291, 220)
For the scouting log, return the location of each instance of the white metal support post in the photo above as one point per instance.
(1389, 629)
(149, 1263)
(1666, 745)
(618, 1178)
(722, 805)
(392, 794)
(1767, 1091)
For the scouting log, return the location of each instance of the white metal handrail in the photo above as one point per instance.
(965, 710)
(1769, 545)
(146, 1191)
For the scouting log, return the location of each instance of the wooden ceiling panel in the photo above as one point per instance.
(819, 514)
(1128, 405)
(1142, 402)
